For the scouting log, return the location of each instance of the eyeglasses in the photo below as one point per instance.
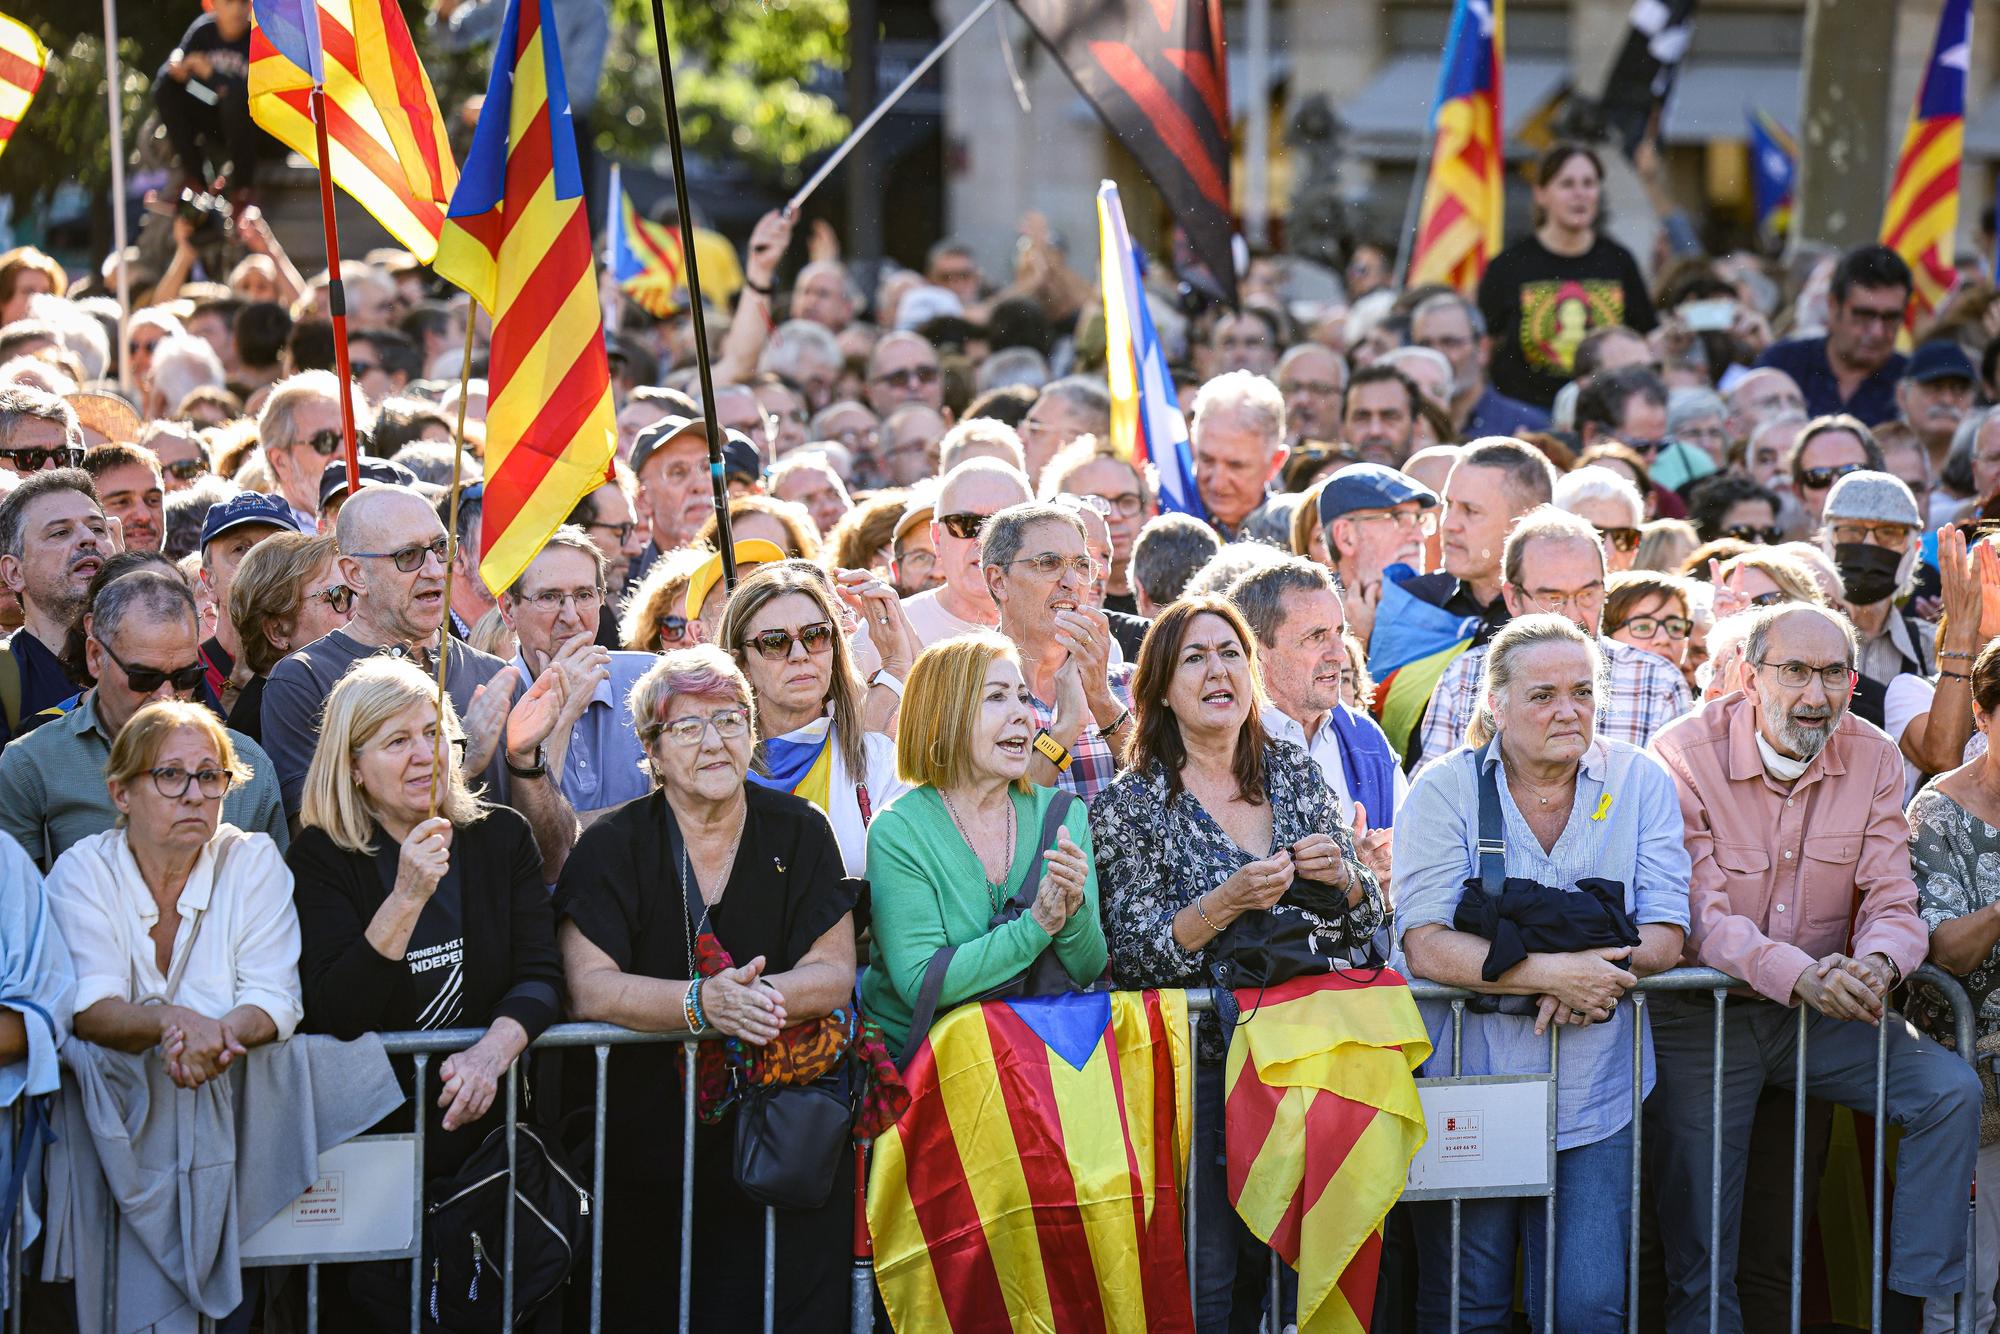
(1836, 678)
(1125, 504)
(1049, 565)
(1621, 539)
(909, 377)
(1770, 599)
(1317, 388)
(729, 724)
(916, 562)
(1893, 536)
(339, 597)
(1755, 536)
(1644, 448)
(34, 460)
(1649, 627)
(1863, 315)
(672, 629)
(776, 645)
(357, 369)
(963, 526)
(171, 781)
(552, 600)
(145, 680)
(185, 470)
(1422, 521)
(408, 559)
(622, 530)
(1819, 479)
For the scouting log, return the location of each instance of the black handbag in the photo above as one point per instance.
(790, 1138)
(465, 1232)
(1046, 976)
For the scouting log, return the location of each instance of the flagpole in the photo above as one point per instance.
(450, 549)
(1414, 207)
(910, 81)
(336, 293)
(720, 484)
(116, 109)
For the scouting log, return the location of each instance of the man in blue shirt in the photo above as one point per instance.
(1451, 325)
(1854, 366)
(554, 609)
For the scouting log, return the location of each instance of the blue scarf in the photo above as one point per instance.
(1370, 768)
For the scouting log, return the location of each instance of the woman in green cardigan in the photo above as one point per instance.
(944, 856)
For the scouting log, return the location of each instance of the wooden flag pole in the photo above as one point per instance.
(336, 293)
(717, 479)
(115, 108)
(451, 551)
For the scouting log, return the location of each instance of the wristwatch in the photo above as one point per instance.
(539, 769)
(880, 677)
(1053, 751)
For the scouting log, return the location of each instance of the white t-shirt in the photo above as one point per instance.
(238, 930)
(883, 787)
(932, 622)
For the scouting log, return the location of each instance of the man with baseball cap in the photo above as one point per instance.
(1374, 517)
(374, 471)
(670, 459)
(1934, 395)
(913, 563)
(1872, 531)
(227, 534)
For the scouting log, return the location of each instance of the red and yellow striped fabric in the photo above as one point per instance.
(23, 58)
(1322, 1120)
(385, 137)
(1035, 1182)
(517, 238)
(1920, 221)
(1458, 229)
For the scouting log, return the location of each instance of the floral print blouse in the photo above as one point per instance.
(1156, 855)
(1955, 857)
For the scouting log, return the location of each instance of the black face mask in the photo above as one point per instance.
(1867, 571)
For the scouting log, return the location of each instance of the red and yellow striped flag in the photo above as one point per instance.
(1035, 1181)
(516, 237)
(1921, 219)
(22, 60)
(1458, 229)
(385, 137)
(1322, 1121)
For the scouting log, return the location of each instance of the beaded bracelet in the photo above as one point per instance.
(1955, 676)
(1202, 913)
(1956, 653)
(691, 1007)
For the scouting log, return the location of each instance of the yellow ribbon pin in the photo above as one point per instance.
(1603, 807)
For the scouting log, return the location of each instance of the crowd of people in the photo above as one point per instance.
(1699, 624)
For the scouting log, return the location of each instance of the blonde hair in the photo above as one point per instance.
(362, 703)
(940, 712)
(269, 591)
(1515, 638)
(1793, 576)
(139, 741)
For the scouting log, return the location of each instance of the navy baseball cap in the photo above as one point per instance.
(1370, 486)
(333, 481)
(1942, 360)
(739, 456)
(247, 508)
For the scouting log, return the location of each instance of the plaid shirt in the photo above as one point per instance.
(1092, 763)
(1646, 693)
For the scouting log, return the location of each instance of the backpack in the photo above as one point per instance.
(465, 1231)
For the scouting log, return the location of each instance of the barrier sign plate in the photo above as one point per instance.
(359, 1208)
(1490, 1135)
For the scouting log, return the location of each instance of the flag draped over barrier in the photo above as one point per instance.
(1322, 1122)
(1458, 228)
(1921, 218)
(1146, 421)
(518, 239)
(23, 58)
(1035, 1182)
(386, 138)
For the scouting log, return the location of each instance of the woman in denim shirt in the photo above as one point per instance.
(1573, 806)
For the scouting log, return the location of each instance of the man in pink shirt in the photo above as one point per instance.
(1801, 887)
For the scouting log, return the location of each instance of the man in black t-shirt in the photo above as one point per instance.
(203, 97)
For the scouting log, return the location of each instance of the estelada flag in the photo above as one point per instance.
(1035, 1181)
(1920, 221)
(650, 267)
(1414, 641)
(386, 138)
(1321, 1122)
(1154, 71)
(23, 58)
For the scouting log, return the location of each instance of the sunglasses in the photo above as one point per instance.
(357, 369)
(1622, 539)
(1770, 599)
(1751, 533)
(776, 645)
(339, 597)
(909, 377)
(327, 443)
(1819, 479)
(185, 470)
(673, 629)
(408, 559)
(34, 460)
(145, 680)
(966, 527)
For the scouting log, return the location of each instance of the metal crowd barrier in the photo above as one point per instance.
(601, 1038)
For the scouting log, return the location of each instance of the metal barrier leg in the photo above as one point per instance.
(770, 1268)
(687, 1188)
(312, 1299)
(1457, 1220)
(1549, 1223)
(1881, 1137)
(1799, 1169)
(1194, 1164)
(1276, 1298)
(15, 1125)
(1638, 1133)
(597, 1188)
(513, 1204)
(861, 1298)
(110, 1260)
(1715, 1167)
(417, 1106)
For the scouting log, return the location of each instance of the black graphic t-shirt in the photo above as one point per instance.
(1539, 305)
(435, 954)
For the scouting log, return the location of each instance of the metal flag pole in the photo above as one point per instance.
(1408, 241)
(336, 293)
(116, 109)
(910, 81)
(719, 482)
(444, 752)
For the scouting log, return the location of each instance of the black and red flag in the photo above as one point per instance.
(1154, 71)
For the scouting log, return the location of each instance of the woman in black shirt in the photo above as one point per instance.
(1544, 293)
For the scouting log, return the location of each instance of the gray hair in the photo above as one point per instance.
(1011, 366)
(1598, 483)
(1006, 532)
(1496, 673)
(1230, 564)
(78, 330)
(1167, 552)
(986, 432)
(277, 424)
(153, 592)
(1412, 352)
(21, 403)
(1246, 396)
(430, 460)
(183, 363)
(1430, 305)
(1086, 394)
(567, 537)
(1957, 469)
(1691, 403)
(1260, 593)
(1544, 523)
(187, 510)
(795, 342)
(1761, 621)
(14, 504)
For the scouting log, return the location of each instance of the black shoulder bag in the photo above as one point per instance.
(1046, 976)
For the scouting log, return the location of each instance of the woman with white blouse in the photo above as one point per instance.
(180, 927)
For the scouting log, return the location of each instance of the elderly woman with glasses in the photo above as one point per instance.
(180, 926)
(715, 903)
(284, 594)
(784, 629)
